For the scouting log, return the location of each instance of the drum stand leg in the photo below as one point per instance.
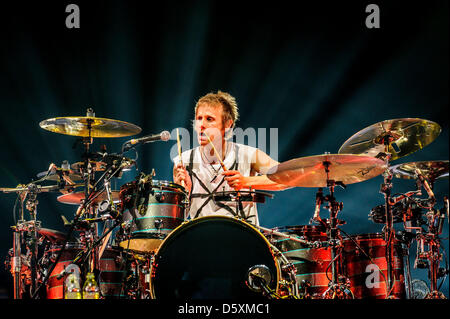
(339, 285)
(389, 230)
(17, 265)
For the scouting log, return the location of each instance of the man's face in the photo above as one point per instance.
(208, 119)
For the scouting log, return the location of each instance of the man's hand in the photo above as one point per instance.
(235, 179)
(180, 175)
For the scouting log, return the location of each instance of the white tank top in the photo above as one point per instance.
(210, 176)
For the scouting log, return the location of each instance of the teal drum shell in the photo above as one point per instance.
(154, 208)
(310, 263)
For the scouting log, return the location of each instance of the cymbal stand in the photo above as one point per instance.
(431, 258)
(339, 285)
(389, 231)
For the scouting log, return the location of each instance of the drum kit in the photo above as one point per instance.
(139, 244)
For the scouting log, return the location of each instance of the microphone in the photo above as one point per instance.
(163, 136)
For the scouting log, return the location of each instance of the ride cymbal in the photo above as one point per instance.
(310, 171)
(89, 126)
(431, 170)
(404, 136)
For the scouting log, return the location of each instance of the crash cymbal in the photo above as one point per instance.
(405, 136)
(75, 198)
(431, 170)
(89, 126)
(310, 171)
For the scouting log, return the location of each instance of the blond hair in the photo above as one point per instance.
(228, 102)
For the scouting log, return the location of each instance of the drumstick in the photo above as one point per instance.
(217, 153)
(179, 154)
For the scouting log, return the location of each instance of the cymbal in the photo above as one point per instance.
(101, 166)
(55, 176)
(310, 171)
(431, 170)
(405, 136)
(52, 235)
(96, 166)
(89, 126)
(75, 198)
(39, 188)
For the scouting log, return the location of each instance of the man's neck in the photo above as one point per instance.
(211, 155)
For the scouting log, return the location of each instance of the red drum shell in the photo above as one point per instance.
(358, 267)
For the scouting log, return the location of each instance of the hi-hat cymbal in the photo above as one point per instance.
(96, 166)
(89, 126)
(53, 235)
(39, 188)
(60, 174)
(405, 136)
(431, 170)
(76, 198)
(310, 171)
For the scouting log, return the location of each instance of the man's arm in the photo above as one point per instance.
(261, 163)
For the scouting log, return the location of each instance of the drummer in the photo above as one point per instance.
(240, 167)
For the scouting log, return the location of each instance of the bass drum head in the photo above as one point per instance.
(208, 258)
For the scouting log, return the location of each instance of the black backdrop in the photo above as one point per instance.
(313, 71)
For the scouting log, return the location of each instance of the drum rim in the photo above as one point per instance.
(296, 227)
(159, 183)
(234, 219)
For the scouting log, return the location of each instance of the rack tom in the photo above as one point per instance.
(153, 209)
(310, 263)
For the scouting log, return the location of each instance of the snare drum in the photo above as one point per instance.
(111, 268)
(209, 258)
(310, 263)
(368, 276)
(153, 209)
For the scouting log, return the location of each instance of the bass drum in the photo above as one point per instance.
(209, 258)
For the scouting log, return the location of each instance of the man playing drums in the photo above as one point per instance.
(221, 165)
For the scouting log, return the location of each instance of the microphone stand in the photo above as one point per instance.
(389, 233)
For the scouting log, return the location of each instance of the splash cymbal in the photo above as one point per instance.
(76, 198)
(310, 171)
(431, 170)
(405, 136)
(89, 126)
